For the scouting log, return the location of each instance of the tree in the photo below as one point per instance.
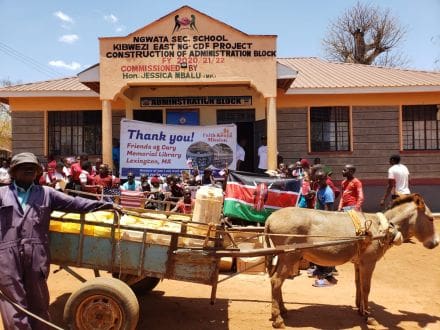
(365, 34)
(436, 41)
(5, 122)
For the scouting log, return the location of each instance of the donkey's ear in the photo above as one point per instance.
(419, 202)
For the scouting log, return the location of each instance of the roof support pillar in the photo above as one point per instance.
(128, 109)
(107, 135)
(272, 143)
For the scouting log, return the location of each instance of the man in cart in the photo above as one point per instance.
(25, 210)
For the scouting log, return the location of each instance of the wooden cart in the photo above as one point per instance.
(138, 258)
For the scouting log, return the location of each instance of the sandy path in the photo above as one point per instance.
(405, 295)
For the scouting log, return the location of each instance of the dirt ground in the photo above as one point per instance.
(405, 294)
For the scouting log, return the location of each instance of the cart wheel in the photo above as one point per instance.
(102, 303)
(145, 285)
(140, 287)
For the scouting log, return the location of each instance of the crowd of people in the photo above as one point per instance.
(318, 190)
(95, 180)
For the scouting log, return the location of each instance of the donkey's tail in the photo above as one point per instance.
(269, 258)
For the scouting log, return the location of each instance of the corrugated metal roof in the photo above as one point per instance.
(315, 75)
(63, 84)
(318, 73)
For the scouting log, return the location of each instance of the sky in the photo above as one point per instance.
(49, 39)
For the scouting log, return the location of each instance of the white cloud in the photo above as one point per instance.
(61, 64)
(69, 38)
(110, 18)
(64, 17)
(120, 28)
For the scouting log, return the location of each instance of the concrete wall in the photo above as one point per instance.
(292, 134)
(373, 195)
(376, 136)
(28, 132)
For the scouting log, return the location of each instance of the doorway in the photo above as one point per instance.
(152, 116)
(244, 119)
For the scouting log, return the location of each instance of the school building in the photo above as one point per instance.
(189, 68)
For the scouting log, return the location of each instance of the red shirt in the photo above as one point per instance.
(352, 194)
(105, 181)
(51, 169)
(75, 170)
(185, 208)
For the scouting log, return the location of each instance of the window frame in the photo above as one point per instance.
(349, 129)
(421, 110)
(76, 125)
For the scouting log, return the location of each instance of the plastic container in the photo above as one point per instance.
(55, 225)
(74, 228)
(208, 205)
(101, 231)
(100, 216)
(132, 235)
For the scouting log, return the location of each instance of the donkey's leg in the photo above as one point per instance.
(366, 269)
(290, 262)
(358, 285)
(283, 270)
(276, 282)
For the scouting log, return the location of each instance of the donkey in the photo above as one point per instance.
(408, 216)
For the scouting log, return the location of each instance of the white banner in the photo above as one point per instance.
(148, 148)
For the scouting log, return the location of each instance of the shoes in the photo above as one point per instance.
(322, 283)
(315, 273)
(331, 279)
(311, 272)
(335, 272)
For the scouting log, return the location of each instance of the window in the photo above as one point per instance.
(235, 116)
(330, 129)
(74, 132)
(420, 127)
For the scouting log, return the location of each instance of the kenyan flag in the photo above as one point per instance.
(253, 197)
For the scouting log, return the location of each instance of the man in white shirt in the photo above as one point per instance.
(241, 154)
(58, 178)
(398, 180)
(262, 155)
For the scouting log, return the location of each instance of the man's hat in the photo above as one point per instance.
(155, 179)
(24, 158)
(305, 163)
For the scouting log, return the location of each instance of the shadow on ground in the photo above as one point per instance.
(159, 312)
(321, 316)
(56, 309)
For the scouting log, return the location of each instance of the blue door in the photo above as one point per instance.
(183, 117)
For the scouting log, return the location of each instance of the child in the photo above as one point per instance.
(307, 195)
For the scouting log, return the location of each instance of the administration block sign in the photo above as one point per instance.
(149, 148)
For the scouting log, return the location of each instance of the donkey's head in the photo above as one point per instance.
(412, 217)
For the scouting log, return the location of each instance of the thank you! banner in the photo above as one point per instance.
(148, 148)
